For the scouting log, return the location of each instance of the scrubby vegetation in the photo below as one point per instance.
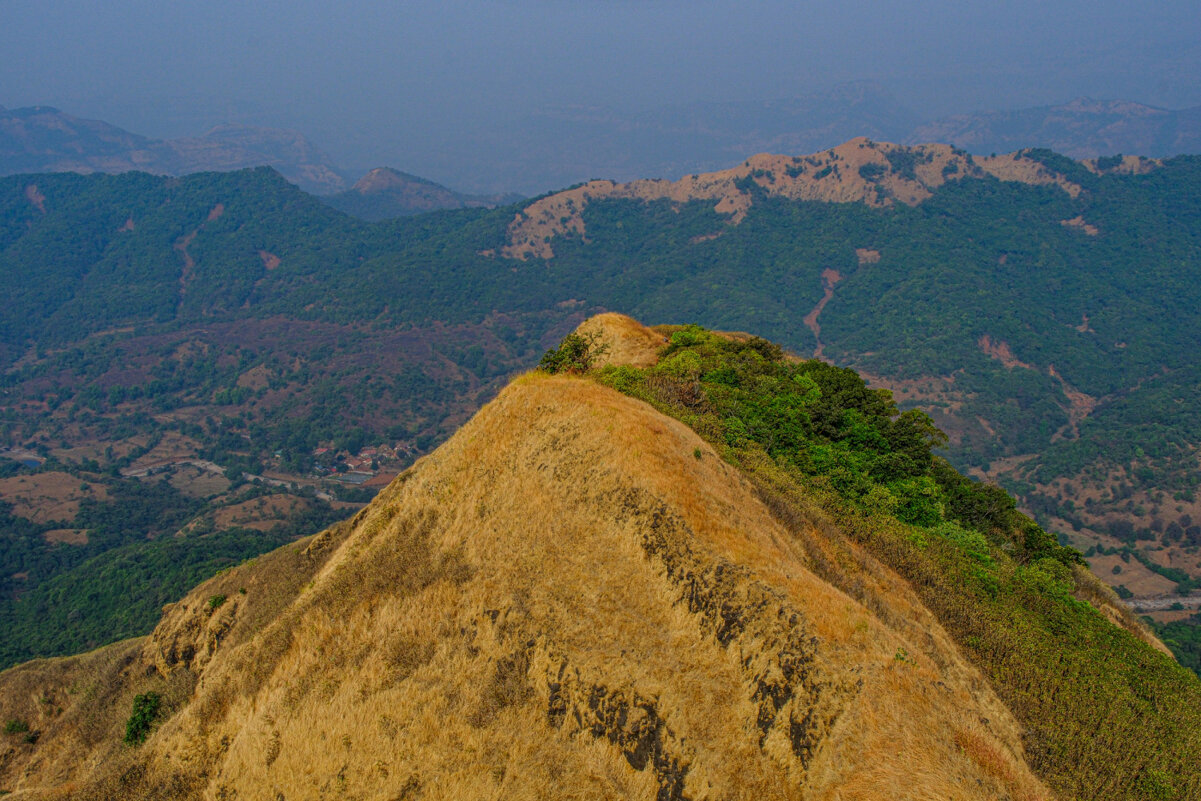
(577, 353)
(141, 720)
(1106, 714)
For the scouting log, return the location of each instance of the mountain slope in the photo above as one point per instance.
(384, 193)
(580, 596)
(574, 596)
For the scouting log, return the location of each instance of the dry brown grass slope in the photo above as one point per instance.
(574, 597)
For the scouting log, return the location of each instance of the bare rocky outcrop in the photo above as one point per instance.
(858, 171)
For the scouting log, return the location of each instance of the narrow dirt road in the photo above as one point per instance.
(830, 277)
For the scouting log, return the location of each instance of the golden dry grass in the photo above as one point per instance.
(259, 513)
(628, 341)
(48, 497)
(563, 601)
(69, 536)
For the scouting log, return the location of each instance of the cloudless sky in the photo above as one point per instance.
(393, 82)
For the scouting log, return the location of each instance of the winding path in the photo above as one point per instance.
(830, 277)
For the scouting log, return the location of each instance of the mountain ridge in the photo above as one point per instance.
(623, 529)
(857, 171)
(578, 593)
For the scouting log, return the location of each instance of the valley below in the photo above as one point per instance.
(251, 365)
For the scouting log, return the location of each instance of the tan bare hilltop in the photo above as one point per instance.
(858, 171)
(574, 597)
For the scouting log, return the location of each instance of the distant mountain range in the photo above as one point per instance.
(44, 139)
(1084, 128)
(567, 145)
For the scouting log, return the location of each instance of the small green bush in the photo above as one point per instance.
(214, 602)
(145, 711)
(14, 726)
(577, 353)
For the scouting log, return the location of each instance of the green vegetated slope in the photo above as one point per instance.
(1107, 715)
(146, 545)
(138, 305)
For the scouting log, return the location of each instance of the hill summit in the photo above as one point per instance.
(579, 595)
(384, 193)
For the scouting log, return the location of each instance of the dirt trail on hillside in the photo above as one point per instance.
(36, 198)
(830, 277)
(189, 264)
(181, 245)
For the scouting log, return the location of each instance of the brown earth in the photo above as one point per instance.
(626, 340)
(1001, 352)
(198, 483)
(48, 497)
(70, 536)
(1130, 165)
(35, 197)
(256, 378)
(1078, 222)
(189, 264)
(260, 514)
(830, 277)
(171, 448)
(270, 260)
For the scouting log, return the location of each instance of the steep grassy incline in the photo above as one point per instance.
(1105, 711)
(573, 597)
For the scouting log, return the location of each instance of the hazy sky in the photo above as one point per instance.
(400, 83)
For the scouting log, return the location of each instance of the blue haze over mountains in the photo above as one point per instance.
(532, 95)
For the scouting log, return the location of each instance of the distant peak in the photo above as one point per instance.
(382, 179)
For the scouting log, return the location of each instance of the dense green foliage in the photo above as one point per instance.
(74, 597)
(981, 257)
(1184, 638)
(1106, 714)
(824, 423)
(145, 712)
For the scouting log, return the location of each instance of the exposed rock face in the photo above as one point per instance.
(858, 171)
(563, 601)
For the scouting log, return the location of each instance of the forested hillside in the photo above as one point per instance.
(1047, 325)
